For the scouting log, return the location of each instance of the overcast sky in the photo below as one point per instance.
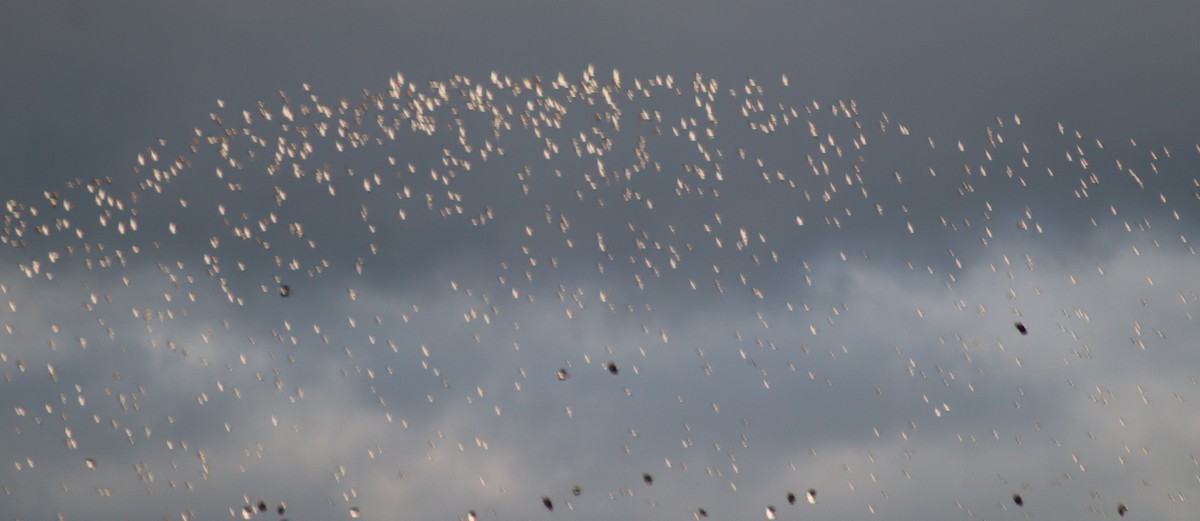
(628, 261)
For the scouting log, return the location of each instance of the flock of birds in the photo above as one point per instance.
(468, 249)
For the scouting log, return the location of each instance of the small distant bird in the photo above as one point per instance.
(575, 490)
(1021, 328)
(770, 512)
(549, 503)
(791, 497)
(562, 375)
(262, 506)
(648, 479)
(285, 291)
(612, 367)
(1018, 500)
(1122, 509)
(281, 509)
(812, 496)
(700, 512)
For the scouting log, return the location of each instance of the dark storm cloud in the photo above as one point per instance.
(97, 82)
